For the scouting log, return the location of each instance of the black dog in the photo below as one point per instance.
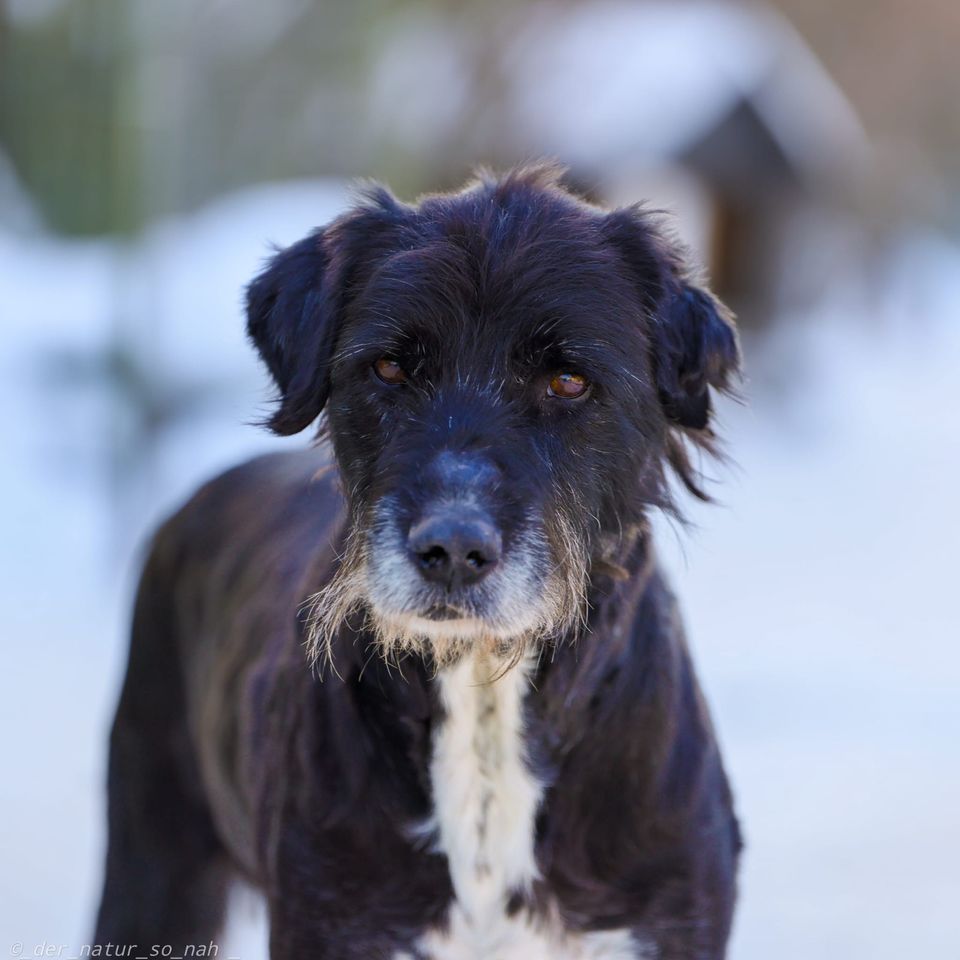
(503, 751)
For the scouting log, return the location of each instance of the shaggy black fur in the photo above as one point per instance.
(229, 755)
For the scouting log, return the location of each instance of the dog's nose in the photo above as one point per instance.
(454, 547)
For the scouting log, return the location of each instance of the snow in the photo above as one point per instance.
(820, 606)
(819, 596)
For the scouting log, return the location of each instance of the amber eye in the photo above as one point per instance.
(568, 386)
(389, 371)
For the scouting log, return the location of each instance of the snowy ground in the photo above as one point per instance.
(820, 597)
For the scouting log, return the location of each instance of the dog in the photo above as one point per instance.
(423, 683)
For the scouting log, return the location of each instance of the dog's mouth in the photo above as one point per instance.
(443, 611)
(525, 598)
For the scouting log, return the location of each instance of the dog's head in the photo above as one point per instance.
(506, 371)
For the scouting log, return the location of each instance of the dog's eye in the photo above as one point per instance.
(568, 386)
(389, 371)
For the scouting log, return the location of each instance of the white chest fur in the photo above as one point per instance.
(485, 798)
(485, 805)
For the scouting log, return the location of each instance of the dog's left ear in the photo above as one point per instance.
(695, 349)
(693, 337)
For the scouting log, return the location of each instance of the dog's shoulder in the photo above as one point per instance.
(260, 529)
(257, 496)
(271, 478)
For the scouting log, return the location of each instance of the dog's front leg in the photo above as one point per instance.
(166, 875)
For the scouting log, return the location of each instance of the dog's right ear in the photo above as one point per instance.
(295, 306)
(291, 319)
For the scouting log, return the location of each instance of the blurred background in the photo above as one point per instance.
(810, 150)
